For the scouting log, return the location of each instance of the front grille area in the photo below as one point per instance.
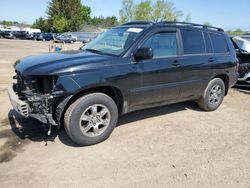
(244, 69)
(24, 110)
(241, 74)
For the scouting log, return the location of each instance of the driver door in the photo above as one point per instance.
(158, 78)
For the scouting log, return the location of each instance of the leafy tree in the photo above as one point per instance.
(86, 11)
(149, 10)
(60, 24)
(237, 32)
(71, 13)
(165, 10)
(143, 11)
(7, 23)
(188, 18)
(126, 13)
(42, 24)
(111, 21)
(101, 21)
(207, 23)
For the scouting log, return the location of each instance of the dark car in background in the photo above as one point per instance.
(134, 66)
(44, 36)
(1, 34)
(32, 36)
(48, 36)
(242, 47)
(14, 34)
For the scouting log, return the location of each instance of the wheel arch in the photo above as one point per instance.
(225, 79)
(112, 91)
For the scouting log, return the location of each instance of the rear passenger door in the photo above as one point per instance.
(222, 58)
(196, 62)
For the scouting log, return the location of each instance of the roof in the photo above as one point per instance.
(183, 24)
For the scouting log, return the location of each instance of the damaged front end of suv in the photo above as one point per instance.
(44, 84)
(37, 95)
(41, 88)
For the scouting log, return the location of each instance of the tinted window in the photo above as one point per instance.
(163, 44)
(219, 43)
(193, 42)
(208, 43)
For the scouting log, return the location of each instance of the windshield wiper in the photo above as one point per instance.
(93, 50)
(98, 51)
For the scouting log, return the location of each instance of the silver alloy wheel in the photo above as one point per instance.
(95, 120)
(215, 95)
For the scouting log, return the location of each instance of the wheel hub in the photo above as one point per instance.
(94, 120)
(215, 94)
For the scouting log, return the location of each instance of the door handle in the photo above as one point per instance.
(176, 63)
(211, 59)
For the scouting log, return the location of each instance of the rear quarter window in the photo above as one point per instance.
(219, 43)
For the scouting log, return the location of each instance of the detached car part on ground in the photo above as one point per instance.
(134, 66)
(242, 47)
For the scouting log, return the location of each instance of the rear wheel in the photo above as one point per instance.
(213, 95)
(91, 119)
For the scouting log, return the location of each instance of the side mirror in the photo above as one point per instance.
(143, 53)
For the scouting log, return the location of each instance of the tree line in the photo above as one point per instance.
(72, 15)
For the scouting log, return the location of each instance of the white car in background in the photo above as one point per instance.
(242, 47)
(72, 36)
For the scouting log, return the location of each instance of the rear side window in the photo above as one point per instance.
(193, 42)
(219, 43)
(208, 43)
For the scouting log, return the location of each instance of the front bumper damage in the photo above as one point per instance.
(20, 106)
(36, 106)
(244, 75)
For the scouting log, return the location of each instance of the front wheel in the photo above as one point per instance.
(213, 95)
(91, 119)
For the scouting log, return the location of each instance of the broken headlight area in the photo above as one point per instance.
(34, 84)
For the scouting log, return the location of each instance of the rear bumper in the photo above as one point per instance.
(20, 106)
(233, 79)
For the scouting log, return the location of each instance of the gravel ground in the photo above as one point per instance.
(172, 146)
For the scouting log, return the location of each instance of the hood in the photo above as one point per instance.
(60, 63)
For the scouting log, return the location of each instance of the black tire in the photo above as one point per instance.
(75, 111)
(208, 104)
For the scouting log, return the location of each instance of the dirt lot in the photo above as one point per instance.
(172, 146)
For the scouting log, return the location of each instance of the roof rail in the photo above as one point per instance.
(139, 23)
(191, 24)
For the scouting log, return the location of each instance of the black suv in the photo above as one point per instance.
(134, 66)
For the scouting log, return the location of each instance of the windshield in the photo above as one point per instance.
(114, 41)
